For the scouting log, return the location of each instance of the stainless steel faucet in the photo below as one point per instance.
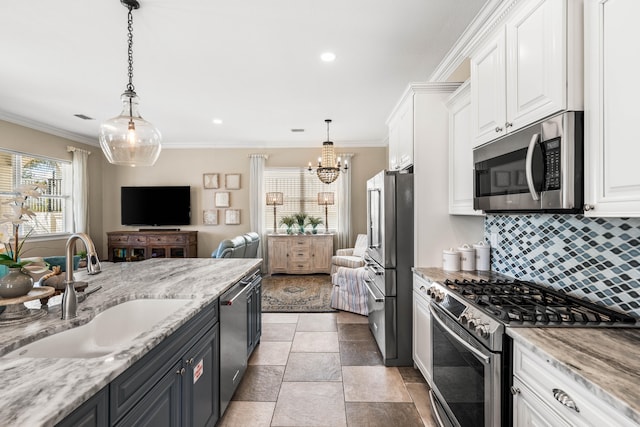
(69, 298)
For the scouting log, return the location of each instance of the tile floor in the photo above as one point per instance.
(324, 369)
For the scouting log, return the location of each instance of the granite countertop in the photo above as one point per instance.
(42, 391)
(604, 360)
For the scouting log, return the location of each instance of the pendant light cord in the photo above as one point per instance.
(130, 49)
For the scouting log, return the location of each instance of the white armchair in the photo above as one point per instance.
(351, 257)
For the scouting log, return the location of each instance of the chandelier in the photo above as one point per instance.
(128, 139)
(329, 166)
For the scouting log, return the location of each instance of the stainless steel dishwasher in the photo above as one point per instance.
(233, 339)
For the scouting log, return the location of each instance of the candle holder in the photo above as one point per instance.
(275, 199)
(326, 198)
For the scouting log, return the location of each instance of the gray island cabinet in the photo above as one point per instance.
(167, 377)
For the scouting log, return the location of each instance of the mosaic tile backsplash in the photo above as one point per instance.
(597, 259)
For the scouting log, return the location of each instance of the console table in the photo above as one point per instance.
(300, 254)
(141, 245)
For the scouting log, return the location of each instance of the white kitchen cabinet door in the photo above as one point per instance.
(531, 69)
(612, 179)
(536, 71)
(530, 411)
(488, 91)
(460, 153)
(422, 350)
(394, 142)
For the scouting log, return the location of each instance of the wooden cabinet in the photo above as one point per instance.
(544, 395)
(401, 134)
(461, 153)
(300, 254)
(530, 69)
(612, 181)
(141, 245)
(422, 350)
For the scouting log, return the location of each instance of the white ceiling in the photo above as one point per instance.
(253, 63)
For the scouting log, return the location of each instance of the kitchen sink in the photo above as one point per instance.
(111, 330)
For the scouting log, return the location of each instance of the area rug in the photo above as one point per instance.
(286, 293)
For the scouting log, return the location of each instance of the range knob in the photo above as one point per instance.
(432, 292)
(439, 296)
(464, 318)
(482, 331)
(474, 323)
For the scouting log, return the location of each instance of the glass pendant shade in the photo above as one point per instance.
(128, 139)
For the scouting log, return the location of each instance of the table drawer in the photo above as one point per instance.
(118, 238)
(167, 239)
(297, 243)
(300, 266)
(299, 254)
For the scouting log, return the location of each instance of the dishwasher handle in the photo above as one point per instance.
(230, 301)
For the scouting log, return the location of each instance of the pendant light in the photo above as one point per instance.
(328, 169)
(128, 139)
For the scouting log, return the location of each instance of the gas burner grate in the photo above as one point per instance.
(524, 303)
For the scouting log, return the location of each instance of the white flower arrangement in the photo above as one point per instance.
(10, 224)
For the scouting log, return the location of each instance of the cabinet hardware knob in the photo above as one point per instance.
(588, 207)
(498, 129)
(565, 399)
(181, 371)
(508, 124)
(190, 362)
(515, 390)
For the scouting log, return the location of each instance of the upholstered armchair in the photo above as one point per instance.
(253, 241)
(351, 257)
(231, 248)
(349, 291)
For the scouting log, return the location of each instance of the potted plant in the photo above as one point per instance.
(314, 221)
(301, 219)
(289, 221)
(83, 259)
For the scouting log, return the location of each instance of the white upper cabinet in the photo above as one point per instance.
(460, 153)
(612, 178)
(401, 135)
(529, 70)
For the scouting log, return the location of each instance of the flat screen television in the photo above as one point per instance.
(156, 205)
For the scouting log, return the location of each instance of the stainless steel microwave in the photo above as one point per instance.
(538, 168)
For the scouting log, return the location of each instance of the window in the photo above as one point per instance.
(53, 209)
(300, 189)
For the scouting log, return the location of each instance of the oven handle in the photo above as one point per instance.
(466, 345)
(373, 294)
(529, 166)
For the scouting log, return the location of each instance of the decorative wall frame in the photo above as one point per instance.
(232, 181)
(210, 217)
(211, 180)
(232, 216)
(222, 199)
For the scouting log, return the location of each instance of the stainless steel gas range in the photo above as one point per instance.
(472, 353)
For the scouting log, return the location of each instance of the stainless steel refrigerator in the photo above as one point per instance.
(389, 260)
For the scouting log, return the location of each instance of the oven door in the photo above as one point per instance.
(466, 376)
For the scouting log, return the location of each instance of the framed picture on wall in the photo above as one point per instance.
(222, 199)
(210, 217)
(210, 180)
(232, 181)
(232, 216)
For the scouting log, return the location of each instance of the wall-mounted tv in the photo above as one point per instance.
(156, 205)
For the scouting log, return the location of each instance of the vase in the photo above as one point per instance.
(301, 227)
(314, 231)
(15, 283)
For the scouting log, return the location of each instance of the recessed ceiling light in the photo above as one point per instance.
(217, 121)
(297, 130)
(328, 57)
(83, 117)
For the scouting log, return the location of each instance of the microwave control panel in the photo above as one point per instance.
(552, 164)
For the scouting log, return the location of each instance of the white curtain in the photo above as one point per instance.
(80, 189)
(256, 199)
(344, 206)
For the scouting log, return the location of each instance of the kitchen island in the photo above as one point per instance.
(43, 391)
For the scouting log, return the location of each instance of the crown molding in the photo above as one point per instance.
(52, 130)
(264, 146)
(421, 88)
(492, 14)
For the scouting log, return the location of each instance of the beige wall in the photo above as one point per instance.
(29, 141)
(186, 166)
